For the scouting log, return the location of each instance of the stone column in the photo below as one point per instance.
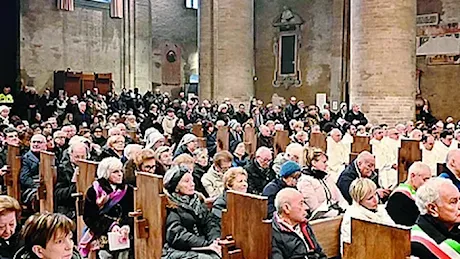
(383, 65)
(226, 49)
(128, 44)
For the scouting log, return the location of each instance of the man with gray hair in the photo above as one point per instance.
(292, 236)
(436, 235)
(362, 167)
(259, 170)
(401, 204)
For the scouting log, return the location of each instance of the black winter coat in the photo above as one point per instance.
(360, 117)
(9, 247)
(99, 223)
(402, 209)
(347, 177)
(258, 178)
(270, 191)
(241, 117)
(198, 172)
(64, 202)
(185, 229)
(286, 244)
(29, 170)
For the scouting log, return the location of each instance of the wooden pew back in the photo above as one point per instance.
(150, 216)
(197, 130)
(11, 179)
(408, 153)
(327, 233)
(105, 133)
(281, 141)
(222, 138)
(390, 243)
(47, 172)
(86, 175)
(360, 143)
(318, 140)
(251, 233)
(250, 140)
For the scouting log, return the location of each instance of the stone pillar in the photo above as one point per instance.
(128, 44)
(383, 65)
(226, 44)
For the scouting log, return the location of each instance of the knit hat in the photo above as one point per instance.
(153, 138)
(173, 176)
(188, 138)
(289, 168)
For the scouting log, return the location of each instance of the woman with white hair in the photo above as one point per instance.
(115, 147)
(188, 144)
(436, 234)
(107, 204)
(155, 140)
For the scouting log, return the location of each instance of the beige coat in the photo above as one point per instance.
(212, 182)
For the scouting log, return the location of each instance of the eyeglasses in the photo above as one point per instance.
(149, 167)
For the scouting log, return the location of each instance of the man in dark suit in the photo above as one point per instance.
(355, 116)
(362, 167)
(81, 118)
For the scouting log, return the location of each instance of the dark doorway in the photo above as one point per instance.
(9, 45)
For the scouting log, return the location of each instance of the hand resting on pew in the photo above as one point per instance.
(215, 247)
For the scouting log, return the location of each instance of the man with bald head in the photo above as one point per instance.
(292, 236)
(452, 169)
(338, 153)
(264, 137)
(260, 171)
(362, 167)
(401, 205)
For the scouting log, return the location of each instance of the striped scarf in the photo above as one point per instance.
(448, 249)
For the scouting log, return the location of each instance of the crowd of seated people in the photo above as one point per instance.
(152, 133)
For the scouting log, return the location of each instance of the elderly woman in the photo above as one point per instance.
(435, 235)
(107, 204)
(187, 145)
(163, 157)
(10, 211)
(191, 231)
(212, 180)
(317, 186)
(115, 147)
(363, 191)
(240, 157)
(144, 161)
(236, 179)
(48, 236)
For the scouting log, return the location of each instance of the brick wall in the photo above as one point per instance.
(383, 59)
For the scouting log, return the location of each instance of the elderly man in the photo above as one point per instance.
(82, 118)
(66, 178)
(338, 153)
(294, 152)
(59, 138)
(401, 204)
(452, 169)
(362, 167)
(30, 162)
(265, 137)
(292, 236)
(429, 156)
(70, 131)
(124, 133)
(259, 171)
(435, 235)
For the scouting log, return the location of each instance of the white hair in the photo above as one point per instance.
(130, 148)
(107, 164)
(262, 149)
(284, 197)
(3, 107)
(429, 193)
(417, 167)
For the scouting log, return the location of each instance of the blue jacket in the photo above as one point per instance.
(29, 170)
(447, 174)
(270, 191)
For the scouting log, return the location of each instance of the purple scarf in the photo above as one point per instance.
(87, 242)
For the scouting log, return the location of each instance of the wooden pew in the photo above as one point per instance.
(149, 216)
(390, 243)
(327, 233)
(250, 140)
(222, 138)
(47, 179)
(408, 153)
(105, 133)
(360, 143)
(197, 130)
(248, 229)
(281, 141)
(11, 179)
(318, 140)
(86, 175)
